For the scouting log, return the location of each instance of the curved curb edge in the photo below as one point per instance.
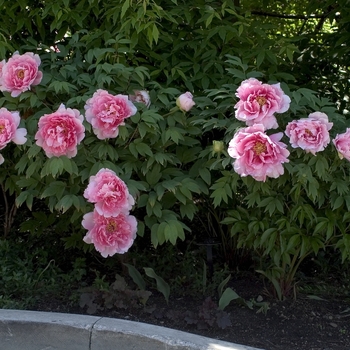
(34, 330)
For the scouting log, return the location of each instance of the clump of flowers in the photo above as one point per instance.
(19, 73)
(9, 130)
(60, 133)
(257, 154)
(310, 134)
(110, 227)
(106, 112)
(342, 144)
(185, 101)
(259, 102)
(141, 96)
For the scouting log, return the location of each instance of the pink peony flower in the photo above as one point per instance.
(342, 144)
(311, 134)
(185, 101)
(258, 154)
(141, 96)
(9, 131)
(110, 235)
(60, 133)
(2, 63)
(109, 192)
(106, 113)
(259, 102)
(20, 73)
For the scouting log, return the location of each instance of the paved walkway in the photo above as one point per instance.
(31, 330)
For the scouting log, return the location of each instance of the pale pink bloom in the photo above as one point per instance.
(141, 96)
(20, 73)
(258, 154)
(110, 235)
(185, 101)
(60, 133)
(109, 193)
(9, 130)
(259, 102)
(342, 144)
(106, 112)
(311, 134)
(1, 159)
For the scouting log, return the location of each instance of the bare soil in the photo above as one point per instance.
(307, 322)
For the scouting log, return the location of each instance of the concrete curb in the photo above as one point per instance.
(32, 330)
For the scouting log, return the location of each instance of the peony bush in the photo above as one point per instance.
(118, 119)
(111, 229)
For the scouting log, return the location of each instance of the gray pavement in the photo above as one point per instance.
(32, 330)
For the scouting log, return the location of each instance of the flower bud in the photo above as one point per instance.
(185, 101)
(141, 96)
(218, 147)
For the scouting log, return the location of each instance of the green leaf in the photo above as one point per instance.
(266, 235)
(338, 203)
(205, 174)
(65, 203)
(162, 286)
(21, 198)
(293, 243)
(53, 166)
(222, 285)
(155, 33)
(227, 296)
(143, 149)
(136, 276)
(125, 7)
(55, 188)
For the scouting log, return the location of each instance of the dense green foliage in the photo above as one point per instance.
(166, 157)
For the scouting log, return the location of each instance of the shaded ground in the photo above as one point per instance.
(307, 323)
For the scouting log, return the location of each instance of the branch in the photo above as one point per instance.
(278, 15)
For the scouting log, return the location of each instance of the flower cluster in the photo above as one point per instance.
(110, 227)
(257, 154)
(261, 156)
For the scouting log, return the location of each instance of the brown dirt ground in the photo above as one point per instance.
(296, 324)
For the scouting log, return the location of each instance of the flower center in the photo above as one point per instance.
(20, 74)
(259, 148)
(111, 226)
(308, 132)
(261, 100)
(2, 127)
(63, 129)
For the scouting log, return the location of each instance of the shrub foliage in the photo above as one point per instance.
(166, 156)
